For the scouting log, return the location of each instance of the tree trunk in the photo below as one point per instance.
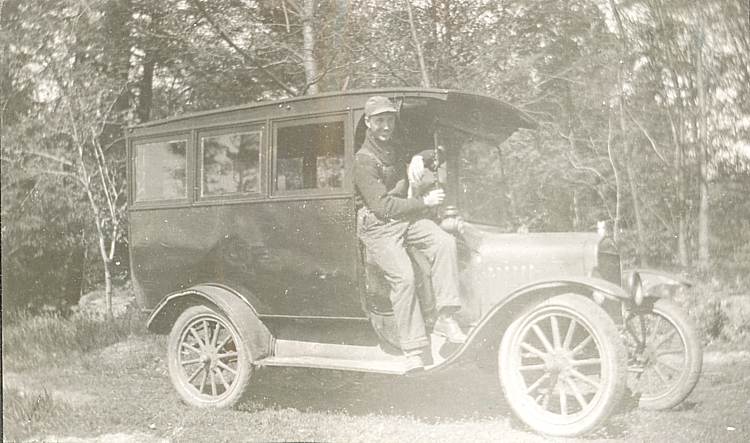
(309, 62)
(146, 87)
(118, 30)
(417, 46)
(681, 184)
(678, 140)
(703, 215)
(683, 249)
(642, 260)
(106, 260)
(85, 262)
(626, 149)
(117, 23)
(682, 227)
(108, 288)
(682, 241)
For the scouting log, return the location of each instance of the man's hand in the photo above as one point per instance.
(434, 198)
(416, 169)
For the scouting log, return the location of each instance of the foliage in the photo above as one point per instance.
(731, 229)
(64, 135)
(642, 106)
(720, 316)
(41, 242)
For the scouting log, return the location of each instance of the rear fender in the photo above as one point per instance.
(486, 336)
(232, 304)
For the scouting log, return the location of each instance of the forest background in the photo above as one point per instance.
(643, 109)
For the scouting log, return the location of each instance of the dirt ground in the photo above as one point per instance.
(123, 394)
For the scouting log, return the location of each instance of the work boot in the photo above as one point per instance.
(448, 327)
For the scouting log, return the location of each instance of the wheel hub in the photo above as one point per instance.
(557, 362)
(648, 356)
(210, 357)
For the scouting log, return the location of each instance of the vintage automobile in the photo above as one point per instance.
(243, 249)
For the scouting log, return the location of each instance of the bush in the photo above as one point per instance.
(49, 244)
(720, 315)
(31, 340)
(42, 243)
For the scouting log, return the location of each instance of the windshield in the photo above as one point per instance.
(478, 167)
(483, 176)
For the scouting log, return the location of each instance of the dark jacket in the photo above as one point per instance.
(381, 182)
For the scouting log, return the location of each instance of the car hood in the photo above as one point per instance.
(531, 256)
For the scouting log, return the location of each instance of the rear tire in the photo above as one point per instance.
(562, 366)
(208, 363)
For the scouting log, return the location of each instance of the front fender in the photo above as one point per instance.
(580, 285)
(232, 304)
(486, 335)
(658, 284)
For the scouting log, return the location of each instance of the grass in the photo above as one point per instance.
(33, 342)
(51, 339)
(71, 380)
(25, 413)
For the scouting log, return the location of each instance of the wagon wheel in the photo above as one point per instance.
(208, 363)
(562, 366)
(665, 355)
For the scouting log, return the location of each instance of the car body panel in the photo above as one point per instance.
(285, 252)
(502, 262)
(294, 257)
(297, 252)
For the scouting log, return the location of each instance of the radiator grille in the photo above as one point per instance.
(608, 262)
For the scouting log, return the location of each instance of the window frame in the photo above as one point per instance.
(184, 136)
(262, 161)
(338, 117)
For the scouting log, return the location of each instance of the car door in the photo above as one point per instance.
(311, 224)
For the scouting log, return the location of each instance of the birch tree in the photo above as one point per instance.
(78, 113)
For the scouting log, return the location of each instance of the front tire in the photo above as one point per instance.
(666, 357)
(562, 366)
(208, 363)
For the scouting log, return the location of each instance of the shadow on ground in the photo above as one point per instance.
(451, 395)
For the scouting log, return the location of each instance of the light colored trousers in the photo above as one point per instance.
(385, 246)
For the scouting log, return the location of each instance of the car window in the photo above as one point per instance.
(310, 156)
(230, 163)
(160, 170)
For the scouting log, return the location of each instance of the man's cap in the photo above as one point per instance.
(378, 105)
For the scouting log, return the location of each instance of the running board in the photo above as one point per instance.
(380, 367)
(303, 354)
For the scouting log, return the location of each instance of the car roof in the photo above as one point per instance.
(453, 105)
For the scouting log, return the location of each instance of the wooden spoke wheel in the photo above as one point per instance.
(208, 363)
(665, 355)
(562, 366)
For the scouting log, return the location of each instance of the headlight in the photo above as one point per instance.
(636, 288)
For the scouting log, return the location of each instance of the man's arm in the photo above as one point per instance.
(383, 204)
